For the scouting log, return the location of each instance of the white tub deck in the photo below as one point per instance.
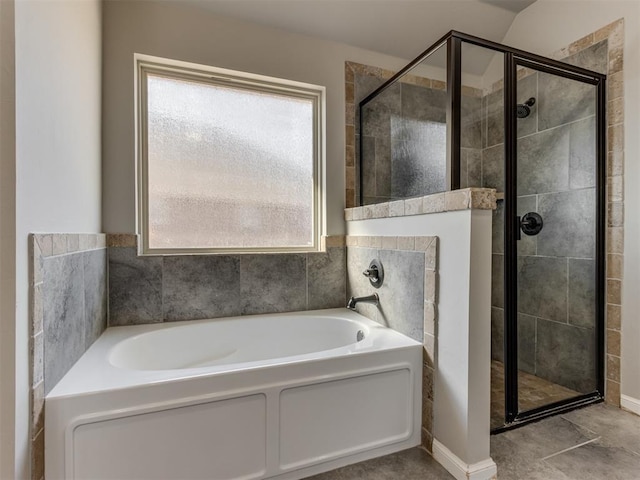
(133, 408)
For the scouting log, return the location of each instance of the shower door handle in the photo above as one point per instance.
(530, 224)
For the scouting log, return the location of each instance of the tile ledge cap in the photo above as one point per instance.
(472, 198)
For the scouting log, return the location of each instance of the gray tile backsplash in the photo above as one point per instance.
(406, 285)
(189, 287)
(68, 302)
(135, 287)
(273, 283)
(200, 286)
(64, 316)
(402, 293)
(95, 294)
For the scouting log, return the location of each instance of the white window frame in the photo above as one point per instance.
(145, 64)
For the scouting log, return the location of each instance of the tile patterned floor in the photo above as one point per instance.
(412, 464)
(599, 442)
(594, 443)
(532, 392)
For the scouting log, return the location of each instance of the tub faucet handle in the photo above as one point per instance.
(371, 273)
(375, 273)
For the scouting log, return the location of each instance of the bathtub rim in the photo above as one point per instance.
(94, 374)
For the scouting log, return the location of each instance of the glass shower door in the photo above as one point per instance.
(553, 313)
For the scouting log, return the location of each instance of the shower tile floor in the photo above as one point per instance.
(593, 443)
(532, 392)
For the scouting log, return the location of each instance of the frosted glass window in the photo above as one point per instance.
(228, 166)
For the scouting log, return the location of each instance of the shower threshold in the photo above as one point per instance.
(533, 392)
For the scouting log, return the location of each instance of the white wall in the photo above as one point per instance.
(57, 159)
(190, 34)
(462, 379)
(547, 26)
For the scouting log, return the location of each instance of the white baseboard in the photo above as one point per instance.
(484, 470)
(630, 403)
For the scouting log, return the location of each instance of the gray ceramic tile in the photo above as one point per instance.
(273, 283)
(368, 166)
(483, 121)
(595, 462)
(497, 228)
(358, 259)
(517, 452)
(364, 85)
(407, 170)
(543, 162)
(513, 459)
(582, 292)
(527, 88)
(497, 280)
(550, 436)
(135, 287)
(383, 166)
(464, 181)
(516, 460)
(419, 161)
(542, 287)
(474, 168)
(95, 294)
(327, 280)
(471, 112)
(424, 104)
(562, 100)
(566, 355)
(617, 427)
(493, 167)
(64, 334)
(593, 58)
(526, 343)
(495, 118)
(582, 155)
(569, 224)
(402, 293)
(376, 115)
(497, 334)
(411, 464)
(527, 245)
(200, 286)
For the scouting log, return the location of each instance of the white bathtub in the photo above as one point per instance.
(269, 396)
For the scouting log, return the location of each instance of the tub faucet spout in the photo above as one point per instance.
(368, 299)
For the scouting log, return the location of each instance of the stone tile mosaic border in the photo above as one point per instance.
(614, 35)
(465, 199)
(42, 246)
(131, 240)
(428, 245)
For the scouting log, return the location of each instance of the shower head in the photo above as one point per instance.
(524, 109)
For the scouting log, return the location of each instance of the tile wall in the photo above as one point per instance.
(556, 154)
(189, 287)
(405, 142)
(68, 311)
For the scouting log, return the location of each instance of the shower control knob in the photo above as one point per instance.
(375, 273)
(531, 223)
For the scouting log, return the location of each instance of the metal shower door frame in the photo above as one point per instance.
(512, 60)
